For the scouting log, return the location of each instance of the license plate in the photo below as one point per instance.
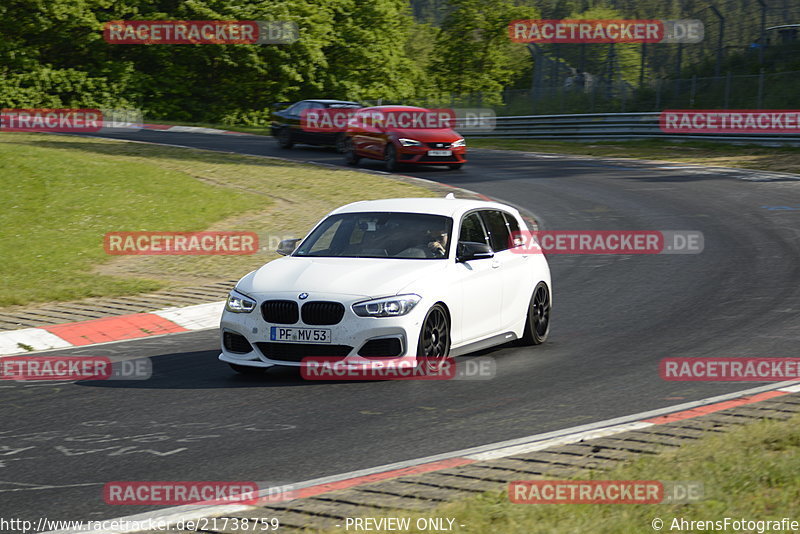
(300, 335)
(440, 152)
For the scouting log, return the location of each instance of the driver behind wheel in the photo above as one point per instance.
(438, 242)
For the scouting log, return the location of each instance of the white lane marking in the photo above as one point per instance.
(607, 427)
(197, 317)
(39, 487)
(544, 444)
(791, 389)
(190, 129)
(639, 417)
(37, 338)
(676, 167)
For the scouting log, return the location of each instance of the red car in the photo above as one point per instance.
(401, 135)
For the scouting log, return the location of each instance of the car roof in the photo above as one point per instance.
(449, 207)
(327, 101)
(396, 108)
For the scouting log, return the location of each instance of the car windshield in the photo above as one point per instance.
(380, 235)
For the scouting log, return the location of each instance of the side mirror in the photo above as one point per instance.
(287, 246)
(468, 251)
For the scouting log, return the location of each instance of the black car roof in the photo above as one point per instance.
(328, 101)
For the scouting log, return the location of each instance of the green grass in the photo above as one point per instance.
(61, 194)
(752, 472)
(779, 159)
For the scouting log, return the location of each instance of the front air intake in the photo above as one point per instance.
(236, 343)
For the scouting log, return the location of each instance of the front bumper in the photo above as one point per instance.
(419, 155)
(348, 337)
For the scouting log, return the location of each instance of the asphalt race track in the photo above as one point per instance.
(614, 318)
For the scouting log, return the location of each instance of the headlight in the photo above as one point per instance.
(386, 307)
(460, 142)
(239, 303)
(409, 142)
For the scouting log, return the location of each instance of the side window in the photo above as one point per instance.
(513, 228)
(472, 229)
(298, 108)
(498, 231)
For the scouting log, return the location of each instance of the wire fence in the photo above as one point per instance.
(730, 27)
(739, 62)
(596, 95)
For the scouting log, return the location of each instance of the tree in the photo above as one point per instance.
(52, 54)
(621, 63)
(473, 53)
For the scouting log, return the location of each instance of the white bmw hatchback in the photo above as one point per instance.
(391, 279)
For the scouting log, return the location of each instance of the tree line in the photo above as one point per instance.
(52, 54)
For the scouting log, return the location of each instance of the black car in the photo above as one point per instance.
(290, 125)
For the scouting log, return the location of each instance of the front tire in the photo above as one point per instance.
(350, 156)
(537, 322)
(285, 138)
(390, 159)
(341, 143)
(247, 370)
(434, 340)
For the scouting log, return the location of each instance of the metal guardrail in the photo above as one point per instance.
(610, 127)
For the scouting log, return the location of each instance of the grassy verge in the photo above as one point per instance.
(61, 195)
(750, 472)
(779, 159)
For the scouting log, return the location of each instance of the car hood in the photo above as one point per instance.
(367, 277)
(441, 135)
